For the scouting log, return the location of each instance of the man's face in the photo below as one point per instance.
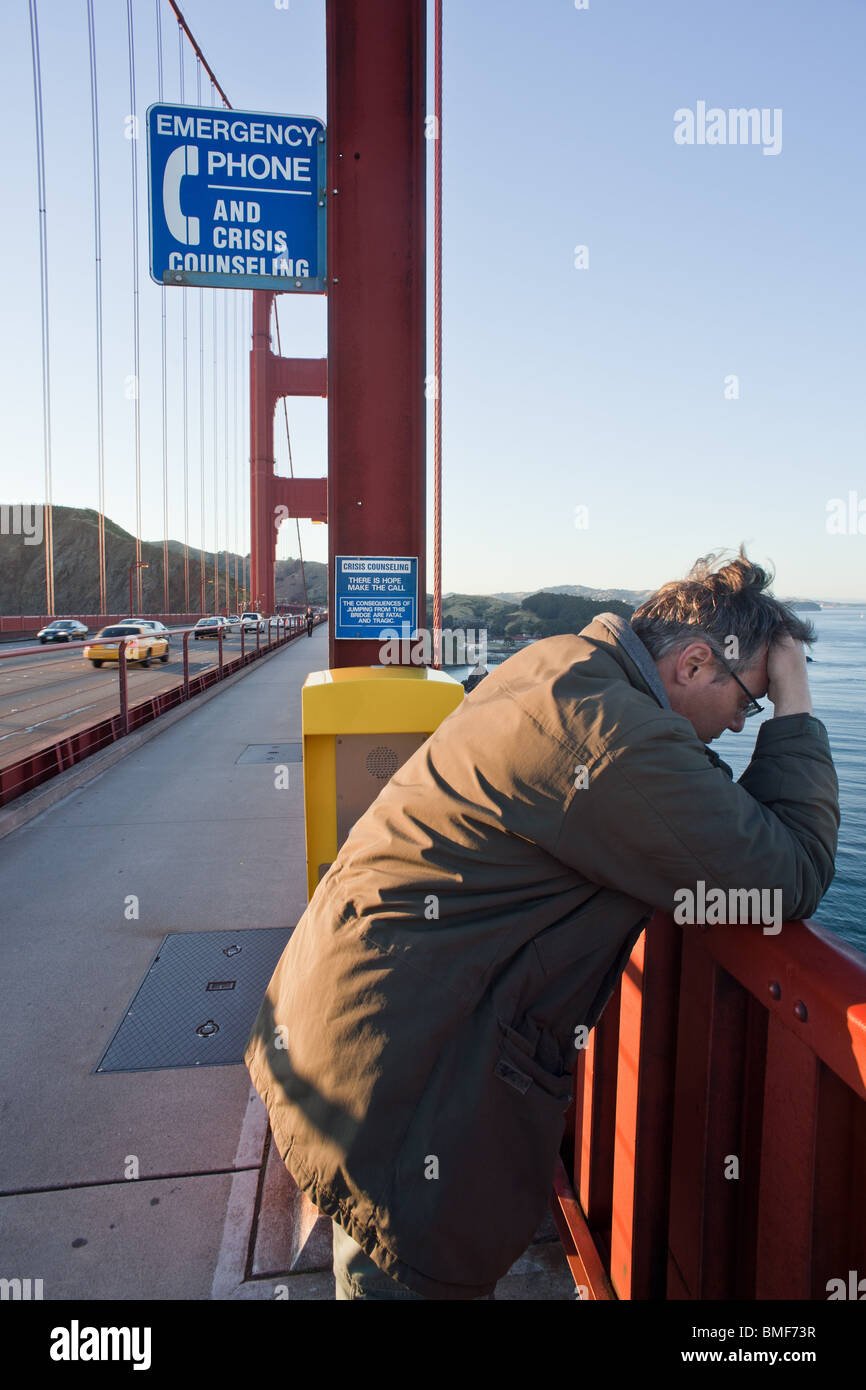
(699, 688)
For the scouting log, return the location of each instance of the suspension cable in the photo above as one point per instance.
(226, 293)
(437, 351)
(47, 508)
(201, 61)
(248, 564)
(165, 594)
(215, 441)
(200, 382)
(180, 53)
(235, 466)
(215, 446)
(97, 245)
(135, 305)
(198, 53)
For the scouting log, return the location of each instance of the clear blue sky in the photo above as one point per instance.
(602, 387)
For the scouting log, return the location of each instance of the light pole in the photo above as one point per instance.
(136, 565)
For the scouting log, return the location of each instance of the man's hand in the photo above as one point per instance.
(787, 678)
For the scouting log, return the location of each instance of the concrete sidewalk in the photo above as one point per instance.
(197, 841)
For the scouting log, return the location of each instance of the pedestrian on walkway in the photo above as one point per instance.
(416, 1045)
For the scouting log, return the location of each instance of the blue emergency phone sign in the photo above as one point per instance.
(374, 595)
(237, 199)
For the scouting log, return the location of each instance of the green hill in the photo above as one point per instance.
(289, 586)
(76, 570)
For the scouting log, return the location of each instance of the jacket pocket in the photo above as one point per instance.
(518, 1067)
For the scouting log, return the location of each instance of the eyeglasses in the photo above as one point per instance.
(752, 707)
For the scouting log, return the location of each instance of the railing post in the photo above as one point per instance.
(258, 638)
(186, 637)
(220, 656)
(242, 643)
(124, 698)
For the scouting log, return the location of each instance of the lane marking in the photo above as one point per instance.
(55, 719)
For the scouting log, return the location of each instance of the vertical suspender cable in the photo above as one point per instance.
(236, 529)
(214, 393)
(136, 334)
(227, 294)
(291, 464)
(165, 591)
(183, 28)
(225, 441)
(248, 577)
(437, 350)
(202, 575)
(185, 390)
(43, 297)
(97, 244)
(214, 442)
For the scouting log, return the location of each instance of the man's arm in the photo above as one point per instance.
(656, 816)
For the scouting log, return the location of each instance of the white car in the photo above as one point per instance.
(252, 621)
(151, 624)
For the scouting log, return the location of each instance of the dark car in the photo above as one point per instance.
(63, 630)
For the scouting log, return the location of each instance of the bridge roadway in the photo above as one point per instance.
(203, 842)
(51, 694)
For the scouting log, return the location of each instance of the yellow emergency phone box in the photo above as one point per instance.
(360, 723)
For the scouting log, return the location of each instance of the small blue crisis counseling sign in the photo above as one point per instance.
(375, 595)
(237, 198)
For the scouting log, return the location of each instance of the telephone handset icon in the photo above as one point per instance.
(182, 161)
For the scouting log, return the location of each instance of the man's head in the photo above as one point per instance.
(715, 624)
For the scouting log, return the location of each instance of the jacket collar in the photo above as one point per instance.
(634, 648)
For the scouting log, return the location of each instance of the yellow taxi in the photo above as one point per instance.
(143, 643)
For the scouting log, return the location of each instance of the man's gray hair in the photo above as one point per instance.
(714, 603)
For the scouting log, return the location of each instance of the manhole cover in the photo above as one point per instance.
(272, 753)
(187, 1012)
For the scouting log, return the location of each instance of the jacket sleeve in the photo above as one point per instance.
(657, 816)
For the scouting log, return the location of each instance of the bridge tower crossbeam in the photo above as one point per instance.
(273, 498)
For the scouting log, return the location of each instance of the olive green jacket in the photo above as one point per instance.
(415, 1048)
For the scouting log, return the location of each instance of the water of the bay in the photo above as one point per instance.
(837, 677)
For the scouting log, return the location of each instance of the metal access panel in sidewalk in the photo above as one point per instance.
(198, 1001)
(271, 753)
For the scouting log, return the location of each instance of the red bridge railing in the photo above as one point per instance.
(716, 1145)
(22, 624)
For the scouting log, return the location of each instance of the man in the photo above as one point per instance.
(310, 621)
(415, 1046)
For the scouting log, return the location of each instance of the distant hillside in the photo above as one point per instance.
(543, 614)
(289, 584)
(76, 569)
(630, 596)
(559, 608)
